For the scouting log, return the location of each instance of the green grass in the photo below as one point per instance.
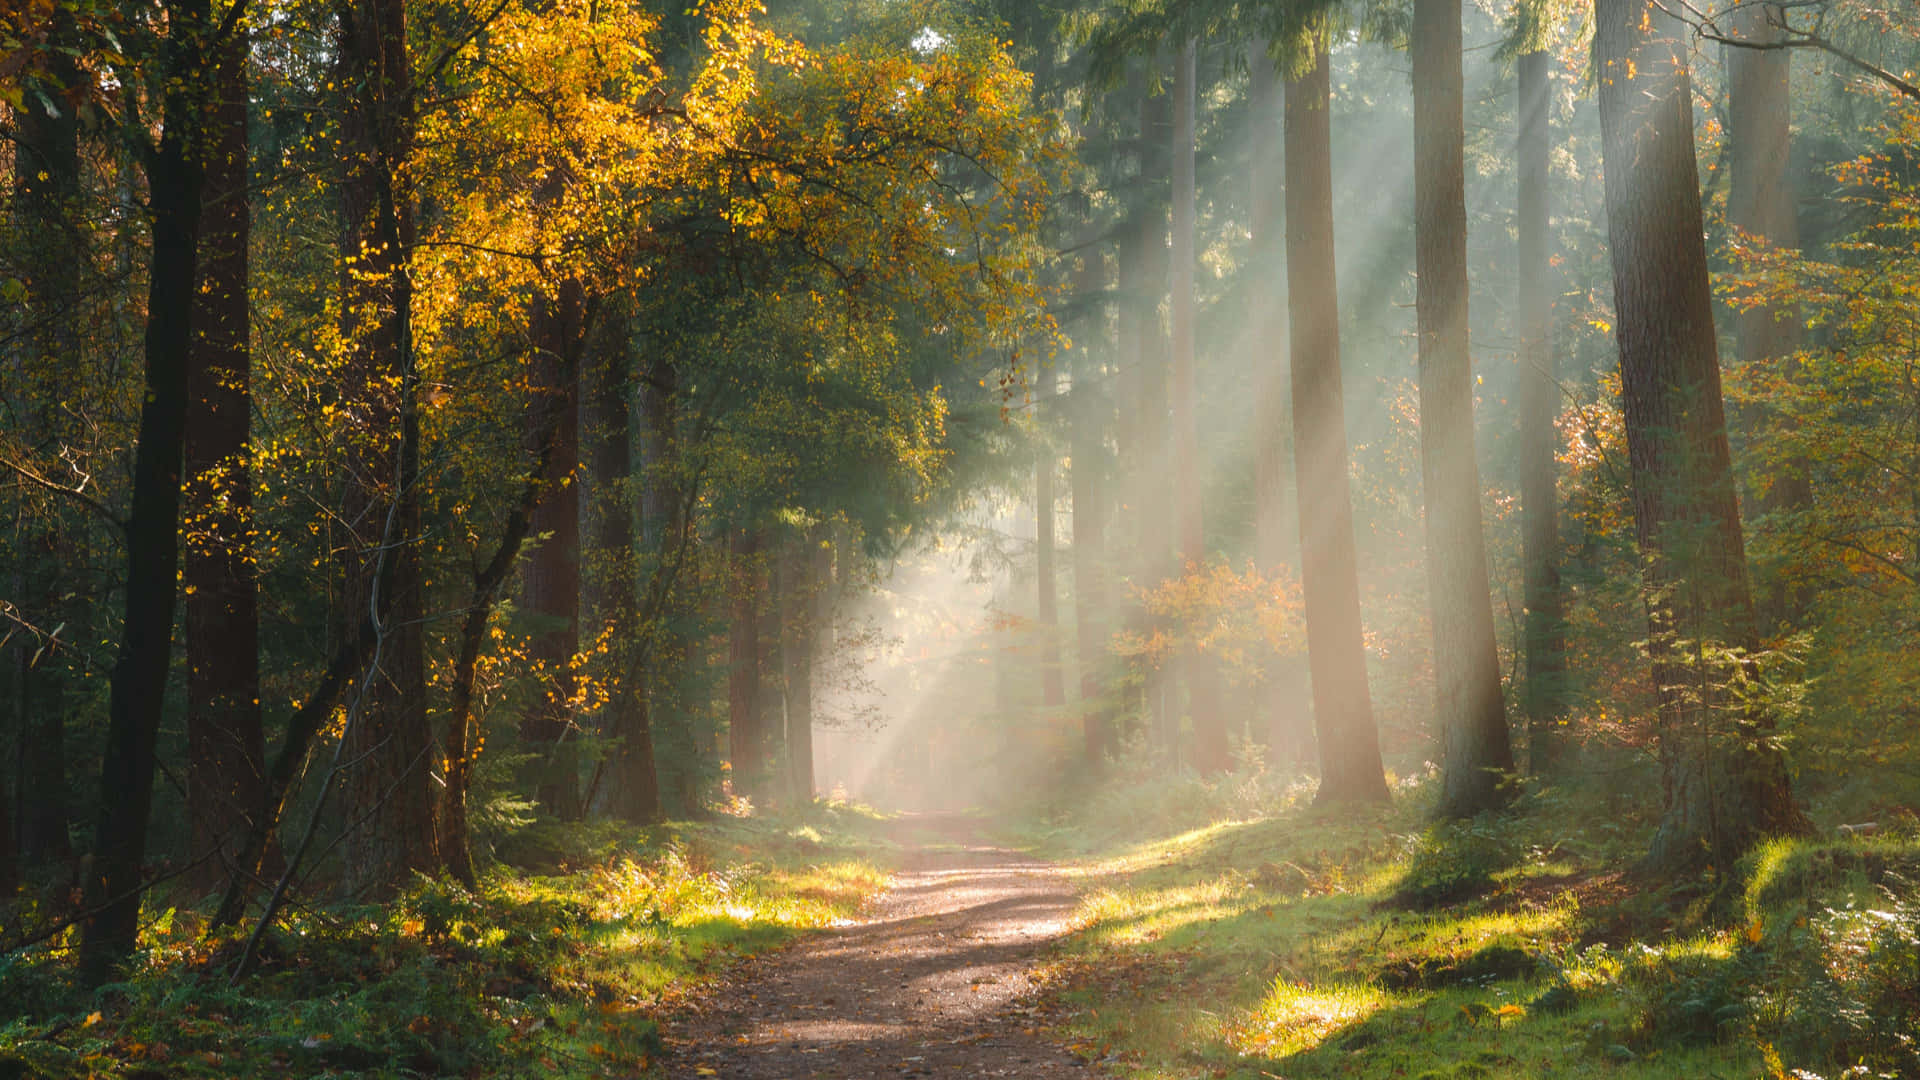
(1369, 944)
(553, 975)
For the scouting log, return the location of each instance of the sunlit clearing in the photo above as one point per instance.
(1293, 1018)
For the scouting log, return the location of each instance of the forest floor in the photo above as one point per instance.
(935, 979)
(1289, 942)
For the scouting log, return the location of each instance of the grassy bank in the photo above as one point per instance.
(556, 972)
(1295, 943)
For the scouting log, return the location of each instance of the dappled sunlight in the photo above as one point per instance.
(1294, 1018)
(1135, 916)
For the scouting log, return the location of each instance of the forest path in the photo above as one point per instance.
(932, 981)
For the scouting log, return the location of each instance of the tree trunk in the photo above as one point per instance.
(551, 578)
(665, 528)
(771, 696)
(1760, 203)
(1088, 410)
(1350, 767)
(746, 744)
(800, 585)
(1153, 482)
(226, 750)
(1139, 319)
(1053, 692)
(1539, 401)
(52, 250)
(546, 417)
(9, 859)
(1283, 694)
(634, 791)
(139, 683)
(1725, 786)
(1470, 710)
(389, 797)
(1211, 754)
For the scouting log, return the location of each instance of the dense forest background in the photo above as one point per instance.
(431, 430)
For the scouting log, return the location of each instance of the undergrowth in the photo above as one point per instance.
(1281, 941)
(556, 975)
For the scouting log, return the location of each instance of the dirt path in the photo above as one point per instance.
(931, 982)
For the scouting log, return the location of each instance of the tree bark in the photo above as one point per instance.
(1725, 786)
(46, 167)
(1350, 766)
(1470, 710)
(1141, 448)
(1088, 410)
(771, 694)
(139, 681)
(1211, 754)
(551, 578)
(634, 792)
(1539, 401)
(1153, 501)
(1053, 691)
(546, 417)
(1760, 203)
(800, 585)
(746, 744)
(665, 528)
(226, 749)
(389, 797)
(1283, 695)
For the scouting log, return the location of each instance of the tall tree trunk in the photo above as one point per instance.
(1153, 502)
(1470, 710)
(139, 684)
(9, 858)
(1546, 635)
(226, 750)
(772, 693)
(545, 419)
(389, 797)
(746, 744)
(1283, 694)
(1088, 411)
(633, 793)
(46, 166)
(1053, 692)
(1350, 767)
(551, 579)
(1143, 385)
(800, 585)
(1725, 785)
(1211, 754)
(1760, 203)
(665, 528)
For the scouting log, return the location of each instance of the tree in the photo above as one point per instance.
(1089, 412)
(46, 180)
(1053, 692)
(547, 416)
(1287, 713)
(1760, 206)
(746, 742)
(1211, 753)
(633, 793)
(800, 596)
(139, 682)
(1350, 766)
(551, 580)
(1724, 781)
(389, 788)
(1466, 660)
(226, 751)
(1539, 397)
